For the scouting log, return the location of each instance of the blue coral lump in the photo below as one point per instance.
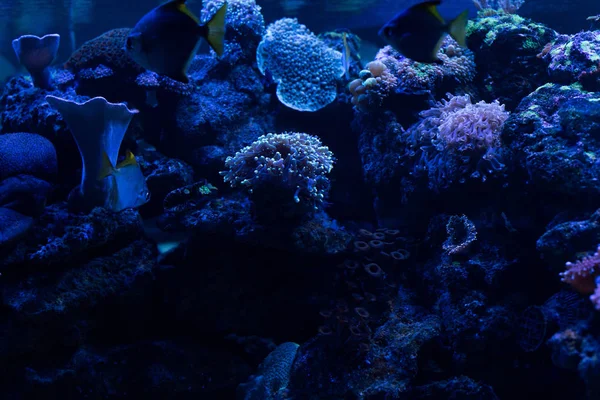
(267, 199)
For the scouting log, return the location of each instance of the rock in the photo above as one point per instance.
(13, 226)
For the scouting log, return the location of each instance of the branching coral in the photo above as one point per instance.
(294, 163)
(304, 68)
(581, 275)
(457, 140)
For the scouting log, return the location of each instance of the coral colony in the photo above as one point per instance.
(292, 223)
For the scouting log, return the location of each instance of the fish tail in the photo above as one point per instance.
(216, 30)
(457, 28)
(107, 168)
(129, 160)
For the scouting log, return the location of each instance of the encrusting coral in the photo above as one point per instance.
(304, 68)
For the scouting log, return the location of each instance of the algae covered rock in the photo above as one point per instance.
(506, 48)
(554, 137)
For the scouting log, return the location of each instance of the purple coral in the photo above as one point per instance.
(298, 163)
(466, 126)
(457, 139)
(304, 68)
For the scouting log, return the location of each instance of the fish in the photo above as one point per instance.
(166, 39)
(417, 33)
(346, 56)
(127, 188)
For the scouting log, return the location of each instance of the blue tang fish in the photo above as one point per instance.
(166, 39)
(127, 187)
(417, 33)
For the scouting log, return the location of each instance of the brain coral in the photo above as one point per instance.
(305, 69)
(296, 162)
(26, 153)
(107, 49)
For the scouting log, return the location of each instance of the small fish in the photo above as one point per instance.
(346, 55)
(166, 39)
(128, 187)
(417, 33)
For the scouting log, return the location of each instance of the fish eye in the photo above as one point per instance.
(387, 31)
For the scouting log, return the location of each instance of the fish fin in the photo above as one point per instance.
(346, 56)
(129, 160)
(107, 168)
(431, 8)
(436, 50)
(457, 28)
(180, 77)
(216, 30)
(180, 6)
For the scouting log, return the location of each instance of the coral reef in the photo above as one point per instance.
(508, 79)
(108, 51)
(302, 65)
(279, 166)
(574, 58)
(245, 28)
(564, 119)
(448, 255)
(457, 140)
(392, 74)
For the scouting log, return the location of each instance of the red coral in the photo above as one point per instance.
(581, 275)
(107, 49)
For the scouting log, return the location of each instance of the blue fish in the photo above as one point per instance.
(127, 185)
(417, 33)
(166, 39)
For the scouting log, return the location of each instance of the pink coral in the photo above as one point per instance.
(581, 275)
(467, 126)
